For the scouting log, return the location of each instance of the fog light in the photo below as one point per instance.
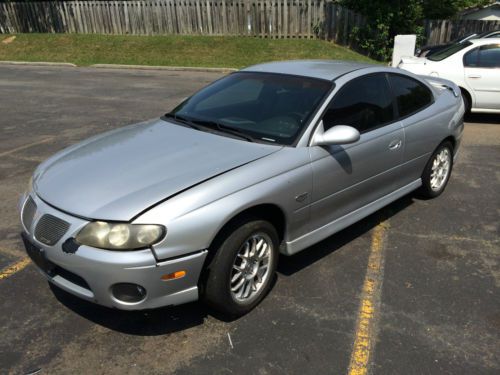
(129, 293)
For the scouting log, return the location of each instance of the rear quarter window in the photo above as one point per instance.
(411, 95)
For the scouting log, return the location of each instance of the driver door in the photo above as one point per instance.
(348, 177)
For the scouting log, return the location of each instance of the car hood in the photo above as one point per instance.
(119, 174)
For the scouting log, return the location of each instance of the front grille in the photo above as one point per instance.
(50, 229)
(28, 213)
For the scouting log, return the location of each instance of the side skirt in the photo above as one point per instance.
(484, 110)
(337, 225)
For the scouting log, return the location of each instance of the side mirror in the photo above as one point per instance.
(336, 135)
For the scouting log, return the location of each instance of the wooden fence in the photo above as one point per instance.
(443, 31)
(339, 23)
(262, 18)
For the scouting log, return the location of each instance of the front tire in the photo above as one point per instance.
(241, 272)
(437, 171)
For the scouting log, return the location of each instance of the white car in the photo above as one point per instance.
(473, 65)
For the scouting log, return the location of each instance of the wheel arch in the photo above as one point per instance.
(265, 211)
(450, 139)
(466, 93)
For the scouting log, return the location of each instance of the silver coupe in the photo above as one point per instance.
(271, 159)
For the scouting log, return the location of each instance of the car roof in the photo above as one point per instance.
(486, 33)
(485, 41)
(322, 69)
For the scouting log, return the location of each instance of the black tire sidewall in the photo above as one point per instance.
(467, 103)
(216, 289)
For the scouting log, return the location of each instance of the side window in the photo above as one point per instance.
(489, 56)
(411, 95)
(471, 58)
(364, 103)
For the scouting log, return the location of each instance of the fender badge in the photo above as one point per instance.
(301, 197)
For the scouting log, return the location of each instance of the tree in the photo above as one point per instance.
(387, 18)
(443, 9)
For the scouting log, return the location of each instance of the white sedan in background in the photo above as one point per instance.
(473, 65)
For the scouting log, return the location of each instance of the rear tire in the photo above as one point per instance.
(240, 273)
(437, 172)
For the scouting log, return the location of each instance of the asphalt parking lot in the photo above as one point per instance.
(436, 308)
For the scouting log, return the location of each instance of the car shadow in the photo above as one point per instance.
(153, 322)
(342, 157)
(172, 319)
(288, 265)
(482, 118)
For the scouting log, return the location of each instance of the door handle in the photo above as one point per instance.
(394, 145)
(473, 76)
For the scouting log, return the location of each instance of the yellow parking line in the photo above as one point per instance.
(26, 146)
(12, 269)
(365, 331)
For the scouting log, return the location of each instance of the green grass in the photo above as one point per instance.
(200, 51)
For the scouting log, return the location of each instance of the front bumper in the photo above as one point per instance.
(90, 273)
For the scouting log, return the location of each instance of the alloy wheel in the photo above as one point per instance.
(250, 270)
(440, 169)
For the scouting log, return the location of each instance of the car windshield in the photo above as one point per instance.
(258, 106)
(447, 52)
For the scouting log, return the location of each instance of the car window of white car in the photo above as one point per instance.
(487, 56)
(471, 57)
(365, 103)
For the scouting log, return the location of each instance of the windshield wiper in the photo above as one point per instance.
(224, 129)
(183, 120)
(193, 123)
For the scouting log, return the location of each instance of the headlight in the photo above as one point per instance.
(120, 236)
